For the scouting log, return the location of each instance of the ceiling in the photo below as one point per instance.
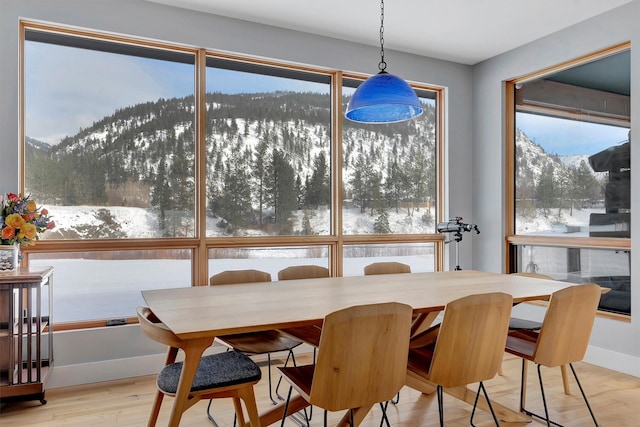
(463, 31)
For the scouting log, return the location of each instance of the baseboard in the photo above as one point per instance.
(620, 362)
(116, 369)
(105, 370)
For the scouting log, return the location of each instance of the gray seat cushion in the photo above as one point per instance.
(517, 323)
(215, 371)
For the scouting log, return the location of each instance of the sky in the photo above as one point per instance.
(569, 137)
(70, 88)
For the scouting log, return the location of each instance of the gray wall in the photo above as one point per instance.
(613, 344)
(150, 20)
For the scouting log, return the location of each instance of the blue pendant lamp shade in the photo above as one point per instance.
(383, 98)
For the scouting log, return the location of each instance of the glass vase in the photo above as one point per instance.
(9, 257)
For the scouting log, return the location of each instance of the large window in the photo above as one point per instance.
(163, 165)
(268, 150)
(389, 172)
(572, 173)
(110, 137)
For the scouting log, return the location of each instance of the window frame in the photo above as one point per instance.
(513, 240)
(200, 244)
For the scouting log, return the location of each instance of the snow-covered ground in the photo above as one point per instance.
(97, 288)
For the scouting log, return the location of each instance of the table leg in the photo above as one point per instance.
(192, 355)
(502, 412)
(423, 322)
(274, 415)
(358, 416)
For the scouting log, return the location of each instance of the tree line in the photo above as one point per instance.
(268, 155)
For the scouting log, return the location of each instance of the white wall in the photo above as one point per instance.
(613, 344)
(114, 347)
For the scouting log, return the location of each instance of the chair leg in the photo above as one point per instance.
(440, 404)
(583, 395)
(565, 379)
(155, 411)
(249, 398)
(475, 404)
(384, 418)
(291, 356)
(209, 413)
(286, 408)
(239, 414)
(523, 385)
(269, 376)
(544, 401)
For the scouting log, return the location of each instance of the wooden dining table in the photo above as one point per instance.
(200, 313)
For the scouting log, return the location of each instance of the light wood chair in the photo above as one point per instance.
(309, 334)
(562, 340)
(516, 323)
(303, 272)
(468, 349)
(362, 359)
(254, 343)
(391, 267)
(222, 375)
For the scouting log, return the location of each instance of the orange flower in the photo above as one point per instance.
(44, 212)
(8, 233)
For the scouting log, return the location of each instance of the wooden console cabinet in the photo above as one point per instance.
(26, 338)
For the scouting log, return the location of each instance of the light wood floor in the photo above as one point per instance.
(614, 397)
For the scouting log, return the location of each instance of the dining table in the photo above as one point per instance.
(198, 314)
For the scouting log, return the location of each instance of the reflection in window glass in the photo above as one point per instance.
(107, 284)
(608, 268)
(389, 173)
(419, 256)
(270, 260)
(571, 177)
(572, 150)
(268, 151)
(109, 137)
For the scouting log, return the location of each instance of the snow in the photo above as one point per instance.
(88, 287)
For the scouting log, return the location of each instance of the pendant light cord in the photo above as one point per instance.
(382, 65)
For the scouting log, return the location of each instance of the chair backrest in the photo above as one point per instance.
(471, 340)
(386, 268)
(567, 325)
(230, 277)
(362, 356)
(303, 272)
(156, 330)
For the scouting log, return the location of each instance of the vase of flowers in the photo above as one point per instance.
(21, 223)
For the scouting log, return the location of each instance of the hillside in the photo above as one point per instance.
(143, 157)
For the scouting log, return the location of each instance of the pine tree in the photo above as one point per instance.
(260, 174)
(393, 187)
(546, 189)
(281, 187)
(381, 225)
(317, 191)
(235, 199)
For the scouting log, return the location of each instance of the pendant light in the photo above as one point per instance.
(383, 98)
